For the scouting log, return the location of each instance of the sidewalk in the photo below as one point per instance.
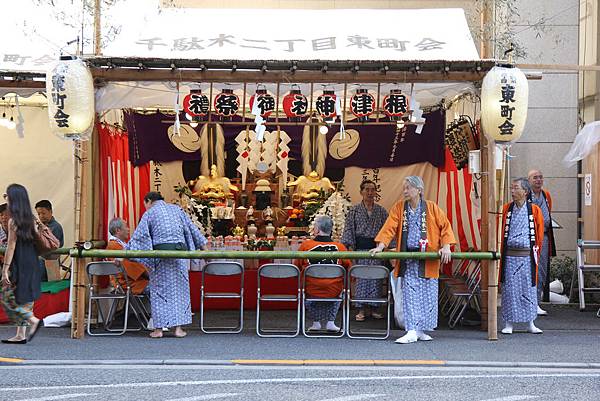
(570, 337)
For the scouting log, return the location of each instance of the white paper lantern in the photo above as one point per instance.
(504, 94)
(70, 92)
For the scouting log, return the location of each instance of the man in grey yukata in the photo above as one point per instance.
(167, 227)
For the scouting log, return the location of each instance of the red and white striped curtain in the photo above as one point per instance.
(123, 185)
(458, 197)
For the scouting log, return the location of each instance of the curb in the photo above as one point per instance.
(307, 362)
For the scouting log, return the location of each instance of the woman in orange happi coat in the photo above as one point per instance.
(417, 225)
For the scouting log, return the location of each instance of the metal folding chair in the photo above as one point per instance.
(461, 295)
(370, 272)
(119, 293)
(278, 271)
(222, 268)
(328, 271)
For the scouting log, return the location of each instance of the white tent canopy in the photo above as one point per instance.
(133, 28)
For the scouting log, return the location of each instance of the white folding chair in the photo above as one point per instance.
(324, 271)
(368, 272)
(223, 269)
(277, 271)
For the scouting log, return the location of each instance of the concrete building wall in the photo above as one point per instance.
(552, 115)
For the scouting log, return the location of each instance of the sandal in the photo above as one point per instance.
(360, 317)
(376, 315)
(35, 330)
(152, 335)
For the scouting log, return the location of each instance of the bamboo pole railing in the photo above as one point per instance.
(100, 253)
(127, 254)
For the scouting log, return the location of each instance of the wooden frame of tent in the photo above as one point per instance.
(105, 69)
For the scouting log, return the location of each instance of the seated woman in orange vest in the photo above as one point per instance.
(137, 275)
(323, 287)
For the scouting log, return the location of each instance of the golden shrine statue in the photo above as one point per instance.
(308, 188)
(213, 187)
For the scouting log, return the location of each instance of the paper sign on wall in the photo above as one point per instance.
(587, 189)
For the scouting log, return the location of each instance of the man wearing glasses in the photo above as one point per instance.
(541, 197)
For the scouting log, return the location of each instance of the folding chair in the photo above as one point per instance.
(225, 269)
(278, 271)
(462, 294)
(119, 293)
(329, 271)
(370, 272)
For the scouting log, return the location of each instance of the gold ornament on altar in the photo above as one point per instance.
(309, 187)
(238, 232)
(281, 232)
(213, 187)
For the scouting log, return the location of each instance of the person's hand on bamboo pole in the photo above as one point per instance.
(379, 248)
(445, 254)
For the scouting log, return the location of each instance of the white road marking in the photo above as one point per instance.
(57, 397)
(205, 397)
(299, 380)
(513, 398)
(356, 397)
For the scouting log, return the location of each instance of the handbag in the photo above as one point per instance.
(44, 241)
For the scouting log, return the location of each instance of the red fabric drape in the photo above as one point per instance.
(123, 186)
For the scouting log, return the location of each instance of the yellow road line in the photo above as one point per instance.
(11, 360)
(357, 362)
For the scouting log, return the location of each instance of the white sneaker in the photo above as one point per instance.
(332, 327)
(315, 326)
(409, 337)
(541, 312)
(422, 336)
(533, 329)
(508, 329)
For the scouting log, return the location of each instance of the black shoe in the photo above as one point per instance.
(14, 342)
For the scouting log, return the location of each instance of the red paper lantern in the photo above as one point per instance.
(196, 104)
(362, 104)
(226, 103)
(295, 104)
(266, 102)
(395, 105)
(325, 105)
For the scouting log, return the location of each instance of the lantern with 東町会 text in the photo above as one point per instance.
(504, 95)
(70, 93)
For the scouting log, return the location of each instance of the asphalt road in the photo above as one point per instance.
(325, 383)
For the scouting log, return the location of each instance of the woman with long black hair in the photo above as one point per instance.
(21, 273)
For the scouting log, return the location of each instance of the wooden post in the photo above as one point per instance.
(97, 28)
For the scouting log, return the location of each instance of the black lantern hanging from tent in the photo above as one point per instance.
(295, 103)
(362, 104)
(265, 101)
(395, 105)
(196, 104)
(325, 105)
(226, 103)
